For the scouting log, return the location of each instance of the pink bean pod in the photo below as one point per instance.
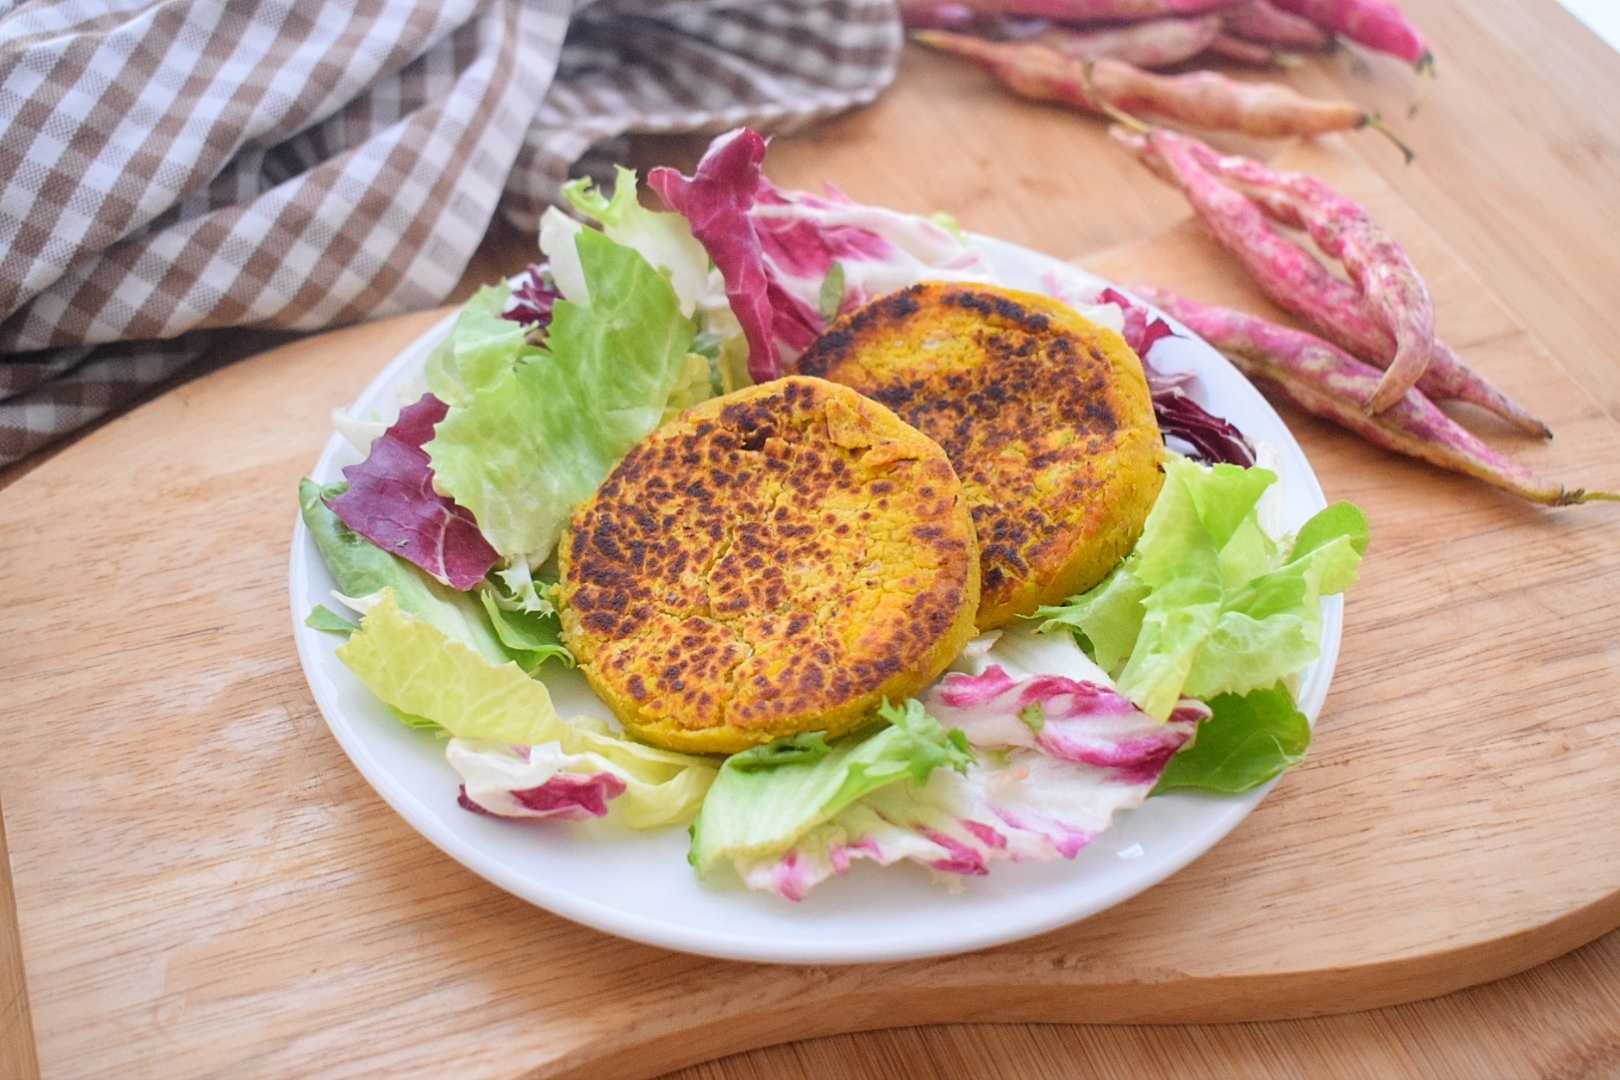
(1079, 11)
(933, 15)
(1342, 228)
(1376, 24)
(1232, 47)
(1328, 382)
(1202, 99)
(1294, 278)
(1155, 43)
(1264, 22)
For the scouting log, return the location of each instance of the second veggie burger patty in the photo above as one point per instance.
(1045, 415)
(773, 561)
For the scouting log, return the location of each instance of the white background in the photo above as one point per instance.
(1603, 16)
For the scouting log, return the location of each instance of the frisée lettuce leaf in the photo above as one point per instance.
(1207, 603)
(531, 430)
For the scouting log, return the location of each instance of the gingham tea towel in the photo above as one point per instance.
(173, 169)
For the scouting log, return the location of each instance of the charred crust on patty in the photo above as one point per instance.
(1045, 416)
(820, 558)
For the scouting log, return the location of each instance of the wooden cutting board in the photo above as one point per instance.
(202, 879)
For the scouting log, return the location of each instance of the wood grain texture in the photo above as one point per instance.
(1561, 1020)
(18, 1057)
(203, 879)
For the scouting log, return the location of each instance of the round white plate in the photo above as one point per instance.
(639, 886)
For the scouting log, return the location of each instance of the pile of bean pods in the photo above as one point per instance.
(1092, 54)
(1381, 318)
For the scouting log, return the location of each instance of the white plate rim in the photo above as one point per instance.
(1229, 812)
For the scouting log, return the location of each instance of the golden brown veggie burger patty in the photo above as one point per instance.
(773, 561)
(1046, 416)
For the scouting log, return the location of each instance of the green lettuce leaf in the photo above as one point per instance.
(1271, 626)
(532, 637)
(424, 674)
(321, 617)
(1249, 739)
(695, 384)
(831, 297)
(361, 569)
(804, 748)
(1206, 603)
(1106, 621)
(766, 798)
(665, 239)
(482, 344)
(529, 437)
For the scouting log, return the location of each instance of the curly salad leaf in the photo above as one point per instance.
(783, 254)
(489, 708)
(1208, 603)
(531, 430)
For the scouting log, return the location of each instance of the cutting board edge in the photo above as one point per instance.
(1249, 998)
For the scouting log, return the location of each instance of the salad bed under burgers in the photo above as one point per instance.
(871, 557)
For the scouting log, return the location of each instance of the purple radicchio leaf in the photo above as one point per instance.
(1065, 756)
(391, 502)
(532, 298)
(716, 201)
(534, 783)
(775, 248)
(1212, 438)
(563, 797)
(1072, 719)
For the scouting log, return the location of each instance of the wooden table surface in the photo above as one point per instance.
(1519, 165)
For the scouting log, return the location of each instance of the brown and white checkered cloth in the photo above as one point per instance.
(173, 169)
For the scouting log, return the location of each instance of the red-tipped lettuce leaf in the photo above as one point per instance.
(715, 201)
(775, 248)
(1141, 332)
(391, 502)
